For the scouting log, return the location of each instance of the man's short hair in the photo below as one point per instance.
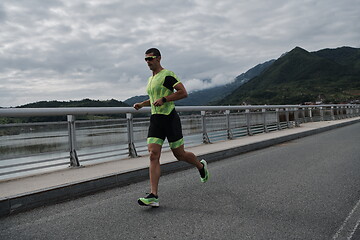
(154, 51)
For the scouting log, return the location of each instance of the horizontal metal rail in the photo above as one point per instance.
(209, 124)
(32, 112)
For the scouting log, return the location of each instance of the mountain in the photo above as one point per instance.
(206, 96)
(82, 103)
(131, 101)
(329, 75)
(58, 104)
(343, 55)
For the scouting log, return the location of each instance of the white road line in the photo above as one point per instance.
(354, 230)
(349, 226)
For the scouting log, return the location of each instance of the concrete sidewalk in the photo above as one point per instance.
(26, 193)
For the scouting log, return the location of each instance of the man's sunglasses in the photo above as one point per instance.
(150, 58)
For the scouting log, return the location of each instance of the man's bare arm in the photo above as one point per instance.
(137, 106)
(179, 94)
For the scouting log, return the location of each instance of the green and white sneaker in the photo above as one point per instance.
(206, 174)
(150, 200)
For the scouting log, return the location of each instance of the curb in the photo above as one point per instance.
(53, 195)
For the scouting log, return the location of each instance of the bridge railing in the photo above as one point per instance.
(29, 148)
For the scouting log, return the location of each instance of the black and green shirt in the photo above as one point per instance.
(162, 85)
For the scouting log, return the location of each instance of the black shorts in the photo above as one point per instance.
(165, 126)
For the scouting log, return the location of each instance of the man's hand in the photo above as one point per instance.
(158, 102)
(137, 106)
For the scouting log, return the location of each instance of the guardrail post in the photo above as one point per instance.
(350, 111)
(301, 115)
(264, 120)
(296, 117)
(303, 112)
(332, 113)
(229, 133)
(336, 112)
(341, 112)
(347, 111)
(74, 160)
(203, 121)
(321, 114)
(287, 117)
(302, 118)
(248, 122)
(310, 115)
(130, 131)
(278, 118)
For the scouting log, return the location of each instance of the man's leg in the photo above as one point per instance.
(154, 170)
(188, 157)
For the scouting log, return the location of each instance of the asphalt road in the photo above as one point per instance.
(303, 189)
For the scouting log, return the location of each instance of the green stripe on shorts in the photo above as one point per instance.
(176, 144)
(155, 140)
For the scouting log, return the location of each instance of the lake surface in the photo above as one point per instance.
(40, 147)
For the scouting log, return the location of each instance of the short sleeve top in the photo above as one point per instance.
(162, 85)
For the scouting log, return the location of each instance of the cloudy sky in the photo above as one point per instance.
(75, 49)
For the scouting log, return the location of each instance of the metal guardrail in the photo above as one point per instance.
(215, 122)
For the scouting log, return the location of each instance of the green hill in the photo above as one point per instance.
(58, 104)
(344, 56)
(329, 75)
(207, 96)
(82, 103)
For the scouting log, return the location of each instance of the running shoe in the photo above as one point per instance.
(150, 200)
(207, 174)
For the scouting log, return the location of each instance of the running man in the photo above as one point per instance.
(163, 89)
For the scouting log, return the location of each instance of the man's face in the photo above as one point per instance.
(152, 61)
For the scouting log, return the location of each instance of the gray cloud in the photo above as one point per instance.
(94, 49)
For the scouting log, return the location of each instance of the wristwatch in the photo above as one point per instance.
(164, 99)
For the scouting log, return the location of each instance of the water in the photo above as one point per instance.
(41, 147)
